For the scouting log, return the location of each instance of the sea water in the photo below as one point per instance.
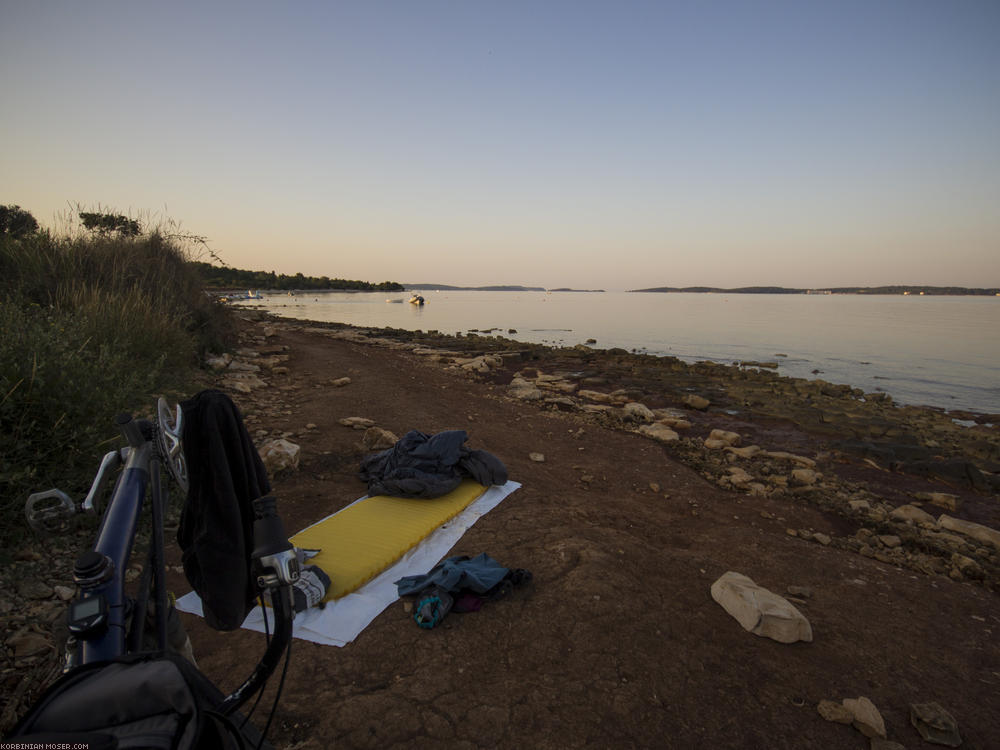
(928, 350)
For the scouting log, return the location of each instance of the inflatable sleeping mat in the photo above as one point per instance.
(360, 541)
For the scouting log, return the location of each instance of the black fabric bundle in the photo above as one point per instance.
(428, 466)
(216, 530)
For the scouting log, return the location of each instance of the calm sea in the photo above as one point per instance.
(937, 351)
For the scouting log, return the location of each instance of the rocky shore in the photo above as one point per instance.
(645, 480)
(916, 486)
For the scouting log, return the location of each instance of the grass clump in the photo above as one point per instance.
(93, 326)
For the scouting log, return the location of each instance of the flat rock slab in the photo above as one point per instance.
(760, 611)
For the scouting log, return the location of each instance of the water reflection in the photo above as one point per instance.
(943, 351)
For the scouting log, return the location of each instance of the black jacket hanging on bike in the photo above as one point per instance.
(216, 530)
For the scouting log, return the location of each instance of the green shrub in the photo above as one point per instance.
(92, 327)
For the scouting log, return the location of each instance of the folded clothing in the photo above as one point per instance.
(421, 465)
(459, 584)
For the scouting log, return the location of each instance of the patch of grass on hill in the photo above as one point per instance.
(93, 326)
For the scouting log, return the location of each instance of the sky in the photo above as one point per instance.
(614, 145)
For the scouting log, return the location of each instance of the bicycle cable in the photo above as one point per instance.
(267, 642)
(277, 695)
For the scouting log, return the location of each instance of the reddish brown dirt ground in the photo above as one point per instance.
(617, 642)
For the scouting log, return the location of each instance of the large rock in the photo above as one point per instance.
(977, 531)
(760, 611)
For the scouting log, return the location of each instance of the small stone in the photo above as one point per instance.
(867, 719)
(739, 476)
(660, 432)
(805, 592)
(65, 593)
(279, 455)
(935, 724)
(26, 643)
(338, 382)
(878, 743)
(538, 458)
(746, 452)
(655, 487)
(638, 412)
(32, 588)
(941, 499)
(697, 402)
(967, 566)
(890, 540)
(822, 538)
(836, 712)
(912, 514)
(724, 437)
(377, 439)
(805, 477)
(357, 423)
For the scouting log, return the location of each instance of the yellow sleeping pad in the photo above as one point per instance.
(367, 537)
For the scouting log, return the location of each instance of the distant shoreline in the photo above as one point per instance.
(914, 291)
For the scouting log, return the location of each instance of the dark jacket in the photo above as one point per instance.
(216, 530)
(421, 465)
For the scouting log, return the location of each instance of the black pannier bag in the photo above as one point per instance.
(137, 701)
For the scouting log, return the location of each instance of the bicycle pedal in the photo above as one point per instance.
(49, 512)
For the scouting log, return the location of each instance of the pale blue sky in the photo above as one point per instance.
(615, 145)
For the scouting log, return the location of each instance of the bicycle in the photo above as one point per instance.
(108, 627)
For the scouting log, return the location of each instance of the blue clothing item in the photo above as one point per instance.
(478, 574)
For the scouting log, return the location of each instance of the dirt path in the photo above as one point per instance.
(617, 642)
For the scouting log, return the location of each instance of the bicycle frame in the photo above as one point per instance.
(104, 622)
(100, 574)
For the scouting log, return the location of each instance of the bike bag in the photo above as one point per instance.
(138, 701)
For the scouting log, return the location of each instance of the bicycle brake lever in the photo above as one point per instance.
(112, 460)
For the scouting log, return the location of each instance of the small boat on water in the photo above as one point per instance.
(239, 296)
(416, 299)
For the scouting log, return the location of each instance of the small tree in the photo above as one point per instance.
(106, 223)
(16, 222)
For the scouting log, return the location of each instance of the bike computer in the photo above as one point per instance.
(88, 617)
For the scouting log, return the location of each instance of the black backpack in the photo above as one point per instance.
(138, 701)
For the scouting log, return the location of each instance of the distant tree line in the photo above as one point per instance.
(899, 289)
(216, 277)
